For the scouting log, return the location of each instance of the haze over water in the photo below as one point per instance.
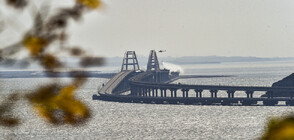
(113, 120)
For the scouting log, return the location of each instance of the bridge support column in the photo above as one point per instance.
(156, 90)
(183, 90)
(249, 94)
(198, 93)
(164, 90)
(144, 91)
(231, 93)
(187, 93)
(153, 92)
(213, 93)
(175, 92)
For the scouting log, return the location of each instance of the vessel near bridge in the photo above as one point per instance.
(133, 85)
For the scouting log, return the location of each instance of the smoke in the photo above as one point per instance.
(173, 67)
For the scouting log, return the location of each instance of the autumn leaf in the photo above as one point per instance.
(48, 101)
(35, 44)
(90, 3)
(280, 129)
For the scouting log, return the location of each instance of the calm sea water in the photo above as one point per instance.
(113, 120)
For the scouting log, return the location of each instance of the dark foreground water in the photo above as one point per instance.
(148, 121)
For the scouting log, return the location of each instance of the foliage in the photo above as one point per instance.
(280, 129)
(55, 103)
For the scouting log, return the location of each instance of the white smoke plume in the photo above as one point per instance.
(173, 67)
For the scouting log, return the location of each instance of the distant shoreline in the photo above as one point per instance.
(50, 74)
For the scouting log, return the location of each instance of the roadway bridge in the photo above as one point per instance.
(153, 86)
(117, 84)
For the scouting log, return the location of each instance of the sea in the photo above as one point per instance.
(113, 120)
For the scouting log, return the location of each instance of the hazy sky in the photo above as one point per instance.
(263, 28)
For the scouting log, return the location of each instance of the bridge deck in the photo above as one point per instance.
(211, 87)
(114, 82)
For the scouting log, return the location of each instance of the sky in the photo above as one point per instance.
(261, 28)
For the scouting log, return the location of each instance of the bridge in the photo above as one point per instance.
(153, 86)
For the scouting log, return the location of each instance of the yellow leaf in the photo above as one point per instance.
(34, 44)
(46, 103)
(90, 3)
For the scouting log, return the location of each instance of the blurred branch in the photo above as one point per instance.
(55, 103)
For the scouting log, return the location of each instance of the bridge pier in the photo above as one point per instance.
(231, 93)
(164, 90)
(183, 90)
(156, 90)
(187, 93)
(249, 94)
(143, 91)
(213, 93)
(173, 92)
(198, 93)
